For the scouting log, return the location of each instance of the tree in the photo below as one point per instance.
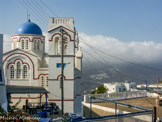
(94, 92)
(160, 82)
(100, 90)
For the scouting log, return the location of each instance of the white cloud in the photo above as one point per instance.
(100, 76)
(146, 51)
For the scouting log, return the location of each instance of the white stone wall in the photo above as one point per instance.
(72, 71)
(17, 42)
(67, 22)
(54, 84)
(33, 75)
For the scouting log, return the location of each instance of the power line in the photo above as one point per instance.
(40, 9)
(108, 55)
(120, 74)
(37, 10)
(31, 10)
(114, 61)
(123, 59)
(49, 8)
(100, 62)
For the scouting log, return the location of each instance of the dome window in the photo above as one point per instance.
(35, 44)
(22, 44)
(38, 45)
(27, 44)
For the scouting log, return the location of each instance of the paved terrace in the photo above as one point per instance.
(145, 102)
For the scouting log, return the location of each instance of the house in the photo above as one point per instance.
(120, 87)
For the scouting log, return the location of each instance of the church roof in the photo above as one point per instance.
(29, 28)
(18, 49)
(25, 89)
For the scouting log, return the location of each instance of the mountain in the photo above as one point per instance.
(97, 74)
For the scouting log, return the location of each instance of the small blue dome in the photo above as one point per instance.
(29, 28)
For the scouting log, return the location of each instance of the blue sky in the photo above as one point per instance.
(126, 20)
(130, 29)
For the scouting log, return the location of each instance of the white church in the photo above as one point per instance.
(27, 63)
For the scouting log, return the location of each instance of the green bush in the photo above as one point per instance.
(100, 90)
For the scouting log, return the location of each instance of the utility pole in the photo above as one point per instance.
(62, 71)
(121, 79)
(157, 101)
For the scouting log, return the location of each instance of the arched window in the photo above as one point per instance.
(18, 70)
(26, 44)
(47, 81)
(56, 47)
(12, 72)
(25, 72)
(65, 49)
(38, 45)
(22, 44)
(35, 44)
(42, 80)
(59, 47)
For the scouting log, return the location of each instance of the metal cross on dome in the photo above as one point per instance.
(28, 16)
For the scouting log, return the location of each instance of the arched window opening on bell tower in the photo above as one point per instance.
(65, 49)
(65, 44)
(57, 46)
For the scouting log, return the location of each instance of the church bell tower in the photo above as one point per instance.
(72, 56)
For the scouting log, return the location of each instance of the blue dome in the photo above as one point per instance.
(29, 28)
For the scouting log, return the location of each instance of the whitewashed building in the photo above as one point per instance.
(119, 87)
(3, 95)
(151, 87)
(28, 64)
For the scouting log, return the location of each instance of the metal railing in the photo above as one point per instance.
(141, 114)
(116, 96)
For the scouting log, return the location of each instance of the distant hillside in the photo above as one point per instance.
(97, 74)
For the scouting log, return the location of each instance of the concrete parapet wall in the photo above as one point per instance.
(116, 96)
(105, 111)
